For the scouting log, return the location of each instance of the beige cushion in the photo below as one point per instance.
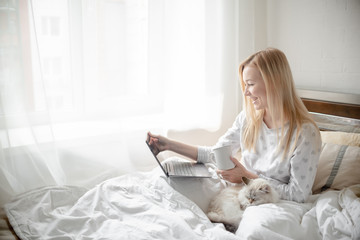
(342, 138)
(339, 167)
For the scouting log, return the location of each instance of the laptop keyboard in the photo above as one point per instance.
(182, 168)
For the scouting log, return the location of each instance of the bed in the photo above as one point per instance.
(147, 205)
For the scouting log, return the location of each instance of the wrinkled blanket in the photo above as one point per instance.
(330, 215)
(146, 206)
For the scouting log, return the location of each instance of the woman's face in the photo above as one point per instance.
(254, 87)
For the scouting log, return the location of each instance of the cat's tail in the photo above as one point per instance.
(219, 218)
(215, 217)
(230, 227)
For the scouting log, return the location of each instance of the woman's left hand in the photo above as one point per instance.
(235, 174)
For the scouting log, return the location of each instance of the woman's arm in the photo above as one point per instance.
(303, 166)
(198, 153)
(231, 137)
(186, 150)
(160, 143)
(235, 174)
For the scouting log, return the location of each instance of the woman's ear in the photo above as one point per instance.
(246, 180)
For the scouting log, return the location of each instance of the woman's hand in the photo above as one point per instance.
(158, 143)
(235, 174)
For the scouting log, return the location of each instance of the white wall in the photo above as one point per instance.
(228, 73)
(321, 39)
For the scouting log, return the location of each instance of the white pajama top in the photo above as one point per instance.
(293, 176)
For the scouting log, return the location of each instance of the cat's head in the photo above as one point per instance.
(257, 191)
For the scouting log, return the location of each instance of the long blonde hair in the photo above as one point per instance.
(283, 101)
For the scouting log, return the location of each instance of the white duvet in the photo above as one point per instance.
(146, 206)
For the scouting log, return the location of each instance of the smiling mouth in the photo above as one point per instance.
(254, 100)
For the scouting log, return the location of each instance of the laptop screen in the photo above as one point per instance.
(154, 154)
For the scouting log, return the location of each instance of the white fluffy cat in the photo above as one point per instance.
(228, 206)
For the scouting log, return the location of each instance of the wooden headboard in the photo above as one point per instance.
(331, 110)
(338, 104)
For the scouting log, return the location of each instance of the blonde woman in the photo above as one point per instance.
(275, 134)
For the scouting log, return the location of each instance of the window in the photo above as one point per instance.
(94, 57)
(50, 25)
(115, 59)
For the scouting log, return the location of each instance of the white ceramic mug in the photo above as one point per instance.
(222, 157)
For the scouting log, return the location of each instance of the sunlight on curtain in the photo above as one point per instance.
(82, 81)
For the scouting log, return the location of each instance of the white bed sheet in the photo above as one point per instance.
(330, 215)
(146, 206)
(136, 206)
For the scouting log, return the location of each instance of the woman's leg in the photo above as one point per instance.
(198, 190)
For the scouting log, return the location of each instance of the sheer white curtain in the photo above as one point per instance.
(82, 81)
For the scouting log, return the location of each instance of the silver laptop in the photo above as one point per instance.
(182, 168)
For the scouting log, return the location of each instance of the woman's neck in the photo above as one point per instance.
(268, 120)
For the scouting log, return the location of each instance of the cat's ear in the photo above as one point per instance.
(246, 180)
(265, 189)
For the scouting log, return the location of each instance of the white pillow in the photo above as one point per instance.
(342, 138)
(338, 167)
